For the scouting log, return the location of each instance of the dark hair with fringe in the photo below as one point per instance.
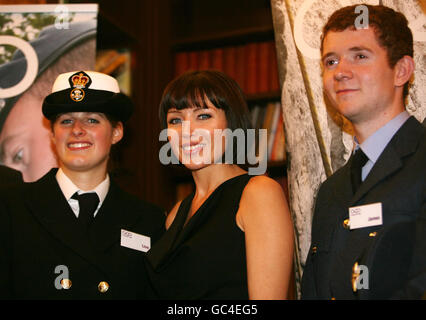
(194, 88)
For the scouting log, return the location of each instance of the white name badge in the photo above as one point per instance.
(135, 241)
(365, 216)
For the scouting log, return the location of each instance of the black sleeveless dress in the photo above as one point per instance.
(206, 258)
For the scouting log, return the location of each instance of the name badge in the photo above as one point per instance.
(365, 216)
(135, 241)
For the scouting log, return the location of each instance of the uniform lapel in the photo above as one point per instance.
(404, 143)
(388, 163)
(45, 200)
(116, 213)
(345, 188)
(338, 200)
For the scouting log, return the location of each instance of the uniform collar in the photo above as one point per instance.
(69, 188)
(374, 145)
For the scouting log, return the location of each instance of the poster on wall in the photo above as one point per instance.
(37, 43)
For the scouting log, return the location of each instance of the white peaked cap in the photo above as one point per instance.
(100, 81)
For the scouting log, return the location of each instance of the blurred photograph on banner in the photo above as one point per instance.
(37, 43)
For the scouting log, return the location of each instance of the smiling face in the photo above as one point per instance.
(357, 77)
(191, 134)
(83, 140)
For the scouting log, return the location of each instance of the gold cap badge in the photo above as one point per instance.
(79, 81)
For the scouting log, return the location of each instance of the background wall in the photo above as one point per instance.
(152, 33)
(318, 140)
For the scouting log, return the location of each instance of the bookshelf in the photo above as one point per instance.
(253, 65)
(237, 38)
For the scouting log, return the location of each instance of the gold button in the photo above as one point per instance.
(314, 250)
(66, 283)
(103, 286)
(346, 223)
(372, 234)
(333, 298)
(355, 275)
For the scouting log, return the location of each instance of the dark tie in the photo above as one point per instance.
(88, 202)
(358, 161)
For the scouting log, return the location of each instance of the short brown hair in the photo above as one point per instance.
(391, 29)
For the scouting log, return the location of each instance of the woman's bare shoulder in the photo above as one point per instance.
(262, 201)
(262, 187)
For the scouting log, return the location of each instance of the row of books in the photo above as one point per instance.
(270, 117)
(253, 65)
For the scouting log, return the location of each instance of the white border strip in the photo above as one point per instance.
(23, 8)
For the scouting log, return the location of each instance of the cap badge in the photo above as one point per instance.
(79, 81)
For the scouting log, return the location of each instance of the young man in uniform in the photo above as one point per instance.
(369, 215)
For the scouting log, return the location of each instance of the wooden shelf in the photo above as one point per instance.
(218, 23)
(227, 38)
(263, 97)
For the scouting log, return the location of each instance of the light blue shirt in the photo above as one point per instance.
(374, 145)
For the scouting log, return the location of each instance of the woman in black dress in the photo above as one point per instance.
(233, 237)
